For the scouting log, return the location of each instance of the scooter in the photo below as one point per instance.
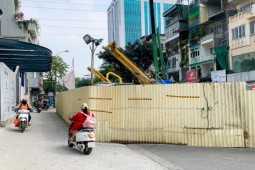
(84, 140)
(23, 119)
(38, 109)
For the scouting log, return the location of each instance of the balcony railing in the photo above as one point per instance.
(218, 39)
(32, 28)
(249, 14)
(195, 60)
(206, 57)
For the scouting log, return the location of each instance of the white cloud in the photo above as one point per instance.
(73, 40)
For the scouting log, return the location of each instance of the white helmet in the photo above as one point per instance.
(84, 105)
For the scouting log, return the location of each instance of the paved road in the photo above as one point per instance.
(196, 158)
(44, 146)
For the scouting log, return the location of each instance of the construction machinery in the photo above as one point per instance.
(103, 78)
(99, 75)
(141, 76)
(115, 75)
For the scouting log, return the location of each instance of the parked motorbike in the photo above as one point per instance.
(38, 109)
(84, 140)
(23, 117)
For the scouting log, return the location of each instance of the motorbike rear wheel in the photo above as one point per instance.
(87, 151)
(70, 144)
(23, 126)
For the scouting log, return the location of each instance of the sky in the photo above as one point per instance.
(64, 23)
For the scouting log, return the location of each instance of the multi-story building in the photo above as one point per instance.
(208, 37)
(176, 24)
(14, 26)
(129, 20)
(242, 37)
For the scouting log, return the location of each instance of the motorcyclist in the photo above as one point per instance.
(24, 106)
(79, 119)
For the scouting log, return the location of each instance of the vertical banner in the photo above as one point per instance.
(192, 76)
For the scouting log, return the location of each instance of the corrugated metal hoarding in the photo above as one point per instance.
(213, 115)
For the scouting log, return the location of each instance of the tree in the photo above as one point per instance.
(139, 52)
(81, 82)
(58, 71)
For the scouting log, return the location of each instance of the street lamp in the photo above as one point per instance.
(88, 39)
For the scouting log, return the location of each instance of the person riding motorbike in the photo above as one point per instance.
(24, 106)
(79, 119)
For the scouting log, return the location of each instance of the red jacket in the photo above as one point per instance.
(78, 120)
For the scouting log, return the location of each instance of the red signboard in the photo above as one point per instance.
(192, 76)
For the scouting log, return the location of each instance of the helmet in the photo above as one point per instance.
(24, 101)
(84, 105)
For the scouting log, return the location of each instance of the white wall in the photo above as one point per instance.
(7, 92)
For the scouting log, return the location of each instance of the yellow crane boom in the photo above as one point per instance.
(142, 77)
(99, 75)
(115, 75)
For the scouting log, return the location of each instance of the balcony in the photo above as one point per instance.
(194, 60)
(207, 57)
(33, 30)
(249, 14)
(207, 39)
(239, 43)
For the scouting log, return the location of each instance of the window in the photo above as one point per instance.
(169, 63)
(246, 7)
(194, 53)
(238, 32)
(174, 62)
(252, 28)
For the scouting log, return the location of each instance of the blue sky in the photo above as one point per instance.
(64, 23)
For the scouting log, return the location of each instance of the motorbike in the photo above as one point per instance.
(23, 117)
(84, 140)
(38, 109)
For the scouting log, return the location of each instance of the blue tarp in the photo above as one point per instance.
(165, 82)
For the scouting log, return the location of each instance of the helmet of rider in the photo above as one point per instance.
(84, 107)
(24, 101)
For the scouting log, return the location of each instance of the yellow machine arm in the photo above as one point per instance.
(115, 75)
(99, 75)
(142, 77)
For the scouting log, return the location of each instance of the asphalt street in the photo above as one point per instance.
(44, 146)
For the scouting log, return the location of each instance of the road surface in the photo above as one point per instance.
(44, 146)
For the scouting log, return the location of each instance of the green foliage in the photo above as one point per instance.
(139, 52)
(58, 71)
(17, 5)
(196, 34)
(81, 82)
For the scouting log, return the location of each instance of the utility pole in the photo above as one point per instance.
(92, 62)
(154, 39)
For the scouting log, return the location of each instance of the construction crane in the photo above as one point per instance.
(141, 76)
(99, 75)
(115, 75)
(157, 47)
(103, 78)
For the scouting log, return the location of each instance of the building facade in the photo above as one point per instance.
(242, 37)
(14, 26)
(176, 21)
(208, 37)
(129, 20)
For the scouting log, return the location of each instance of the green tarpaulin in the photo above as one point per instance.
(193, 14)
(222, 56)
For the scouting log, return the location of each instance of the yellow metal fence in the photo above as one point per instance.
(212, 115)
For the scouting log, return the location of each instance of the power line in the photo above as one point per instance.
(65, 3)
(70, 27)
(73, 10)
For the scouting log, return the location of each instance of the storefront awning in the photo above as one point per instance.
(29, 57)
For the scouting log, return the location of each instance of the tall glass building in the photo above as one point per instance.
(129, 20)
